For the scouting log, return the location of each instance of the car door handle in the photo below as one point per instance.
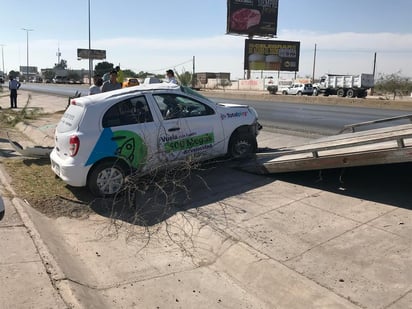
(116, 138)
(173, 129)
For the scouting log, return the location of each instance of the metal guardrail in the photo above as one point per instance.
(351, 127)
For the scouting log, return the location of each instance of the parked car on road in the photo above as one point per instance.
(299, 89)
(60, 80)
(130, 82)
(100, 139)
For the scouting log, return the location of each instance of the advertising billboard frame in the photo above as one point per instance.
(83, 53)
(271, 55)
(252, 17)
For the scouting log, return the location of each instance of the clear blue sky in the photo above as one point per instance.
(154, 35)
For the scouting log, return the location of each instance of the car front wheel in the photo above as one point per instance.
(106, 179)
(242, 145)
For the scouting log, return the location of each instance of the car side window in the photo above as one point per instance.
(176, 106)
(130, 111)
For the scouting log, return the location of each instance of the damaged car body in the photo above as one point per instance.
(100, 139)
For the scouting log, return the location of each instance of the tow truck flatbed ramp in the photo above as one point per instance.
(371, 147)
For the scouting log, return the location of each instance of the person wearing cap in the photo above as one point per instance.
(97, 83)
(112, 83)
(170, 75)
(14, 85)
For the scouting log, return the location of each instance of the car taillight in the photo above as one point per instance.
(74, 145)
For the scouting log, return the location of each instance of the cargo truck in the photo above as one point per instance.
(350, 86)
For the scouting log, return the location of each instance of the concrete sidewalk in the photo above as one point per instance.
(245, 241)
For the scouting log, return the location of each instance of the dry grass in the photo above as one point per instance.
(34, 181)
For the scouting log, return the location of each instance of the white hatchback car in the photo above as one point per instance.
(103, 137)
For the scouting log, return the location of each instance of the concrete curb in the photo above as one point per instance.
(57, 277)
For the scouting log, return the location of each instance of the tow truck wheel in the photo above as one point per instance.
(242, 145)
(106, 179)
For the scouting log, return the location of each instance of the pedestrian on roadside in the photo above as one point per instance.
(120, 75)
(112, 83)
(97, 84)
(14, 85)
(170, 75)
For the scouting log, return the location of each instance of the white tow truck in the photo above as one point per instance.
(350, 86)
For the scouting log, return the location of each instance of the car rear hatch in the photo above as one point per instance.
(66, 129)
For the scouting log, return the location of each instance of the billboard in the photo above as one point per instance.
(252, 17)
(31, 70)
(267, 55)
(94, 54)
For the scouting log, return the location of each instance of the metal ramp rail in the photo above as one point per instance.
(376, 146)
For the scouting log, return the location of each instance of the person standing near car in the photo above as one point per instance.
(112, 83)
(170, 75)
(96, 87)
(14, 85)
(120, 75)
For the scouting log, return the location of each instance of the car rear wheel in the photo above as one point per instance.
(242, 145)
(284, 92)
(106, 179)
(299, 93)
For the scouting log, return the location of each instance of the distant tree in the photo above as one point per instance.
(103, 67)
(129, 73)
(224, 83)
(185, 78)
(14, 74)
(394, 84)
(62, 65)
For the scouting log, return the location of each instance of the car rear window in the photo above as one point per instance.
(70, 119)
(308, 85)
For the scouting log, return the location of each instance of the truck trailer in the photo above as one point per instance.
(350, 86)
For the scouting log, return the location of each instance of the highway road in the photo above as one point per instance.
(303, 118)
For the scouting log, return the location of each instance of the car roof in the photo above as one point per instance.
(106, 96)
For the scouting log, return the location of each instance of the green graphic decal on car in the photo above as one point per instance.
(189, 142)
(126, 144)
(130, 146)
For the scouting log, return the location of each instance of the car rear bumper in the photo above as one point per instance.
(75, 176)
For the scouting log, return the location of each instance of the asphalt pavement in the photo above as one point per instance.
(336, 239)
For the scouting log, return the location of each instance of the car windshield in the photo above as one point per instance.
(192, 92)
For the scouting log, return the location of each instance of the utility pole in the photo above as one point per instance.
(27, 44)
(58, 54)
(2, 58)
(374, 70)
(314, 65)
(90, 47)
(193, 74)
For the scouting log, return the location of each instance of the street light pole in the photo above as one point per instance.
(27, 44)
(2, 58)
(90, 47)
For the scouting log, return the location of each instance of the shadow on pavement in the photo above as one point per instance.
(156, 203)
(387, 184)
(153, 204)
